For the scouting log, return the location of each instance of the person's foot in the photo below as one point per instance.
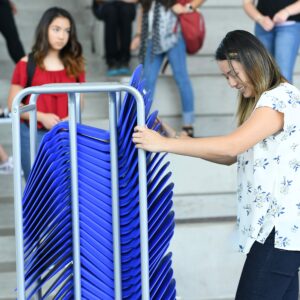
(112, 72)
(124, 69)
(112, 68)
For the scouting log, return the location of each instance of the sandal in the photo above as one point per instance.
(188, 130)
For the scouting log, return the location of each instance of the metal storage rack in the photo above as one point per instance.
(74, 91)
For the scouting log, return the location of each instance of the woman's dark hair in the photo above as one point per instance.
(262, 71)
(71, 54)
(146, 4)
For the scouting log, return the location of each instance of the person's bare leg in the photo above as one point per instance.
(3, 155)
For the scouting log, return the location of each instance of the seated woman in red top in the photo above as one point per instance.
(58, 58)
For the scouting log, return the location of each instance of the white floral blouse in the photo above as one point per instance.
(269, 178)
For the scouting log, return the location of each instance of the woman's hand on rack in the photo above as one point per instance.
(148, 139)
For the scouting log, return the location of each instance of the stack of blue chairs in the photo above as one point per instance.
(47, 218)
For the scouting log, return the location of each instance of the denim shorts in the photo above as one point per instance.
(269, 273)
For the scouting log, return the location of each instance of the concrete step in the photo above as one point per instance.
(222, 4)
(196, 176)
(222, 17)
(6, 136)
(42, 4)
(196, 207)
(8, 286)
(203, 70)
(204, 125)
(6, 218)
(206, 266)
(7, 253)
(192, 262)
(187, 207)
(220, 100)
(211, 3)
(204, 207)
(190, 244)
(191, 176)
(6, 186)
(209, 86)
(198, 65)
(207, 122)
(212, 97)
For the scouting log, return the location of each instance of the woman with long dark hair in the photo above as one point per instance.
(266, 147)
(58, 58)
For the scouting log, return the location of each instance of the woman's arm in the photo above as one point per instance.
(196, 3)
(290, 10)
(13, 91)
(263, 122)
(47, 119)
(255, 15)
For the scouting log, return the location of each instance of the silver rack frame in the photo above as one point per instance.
(74, 91)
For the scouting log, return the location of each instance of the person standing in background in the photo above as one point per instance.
(277, 26)
(118, 17)
(58, 58)
(9, 30)
(157, 38)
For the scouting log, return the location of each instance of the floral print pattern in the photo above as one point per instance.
(268, 190)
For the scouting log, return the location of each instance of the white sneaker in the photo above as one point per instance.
(7, 167)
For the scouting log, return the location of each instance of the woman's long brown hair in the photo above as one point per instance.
(262, 71)
(71, 55)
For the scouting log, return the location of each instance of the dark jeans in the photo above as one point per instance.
(269, 273)
(9, 30)
(118, 17)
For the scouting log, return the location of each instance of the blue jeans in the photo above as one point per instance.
(269, 273)
(177, 59)
(25, 147)
(283, 43)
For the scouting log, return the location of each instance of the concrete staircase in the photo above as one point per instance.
(206, 265)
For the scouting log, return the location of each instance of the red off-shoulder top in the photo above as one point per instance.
(47, 103)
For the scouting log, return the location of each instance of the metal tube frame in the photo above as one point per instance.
(74, 91)
(115, 194)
